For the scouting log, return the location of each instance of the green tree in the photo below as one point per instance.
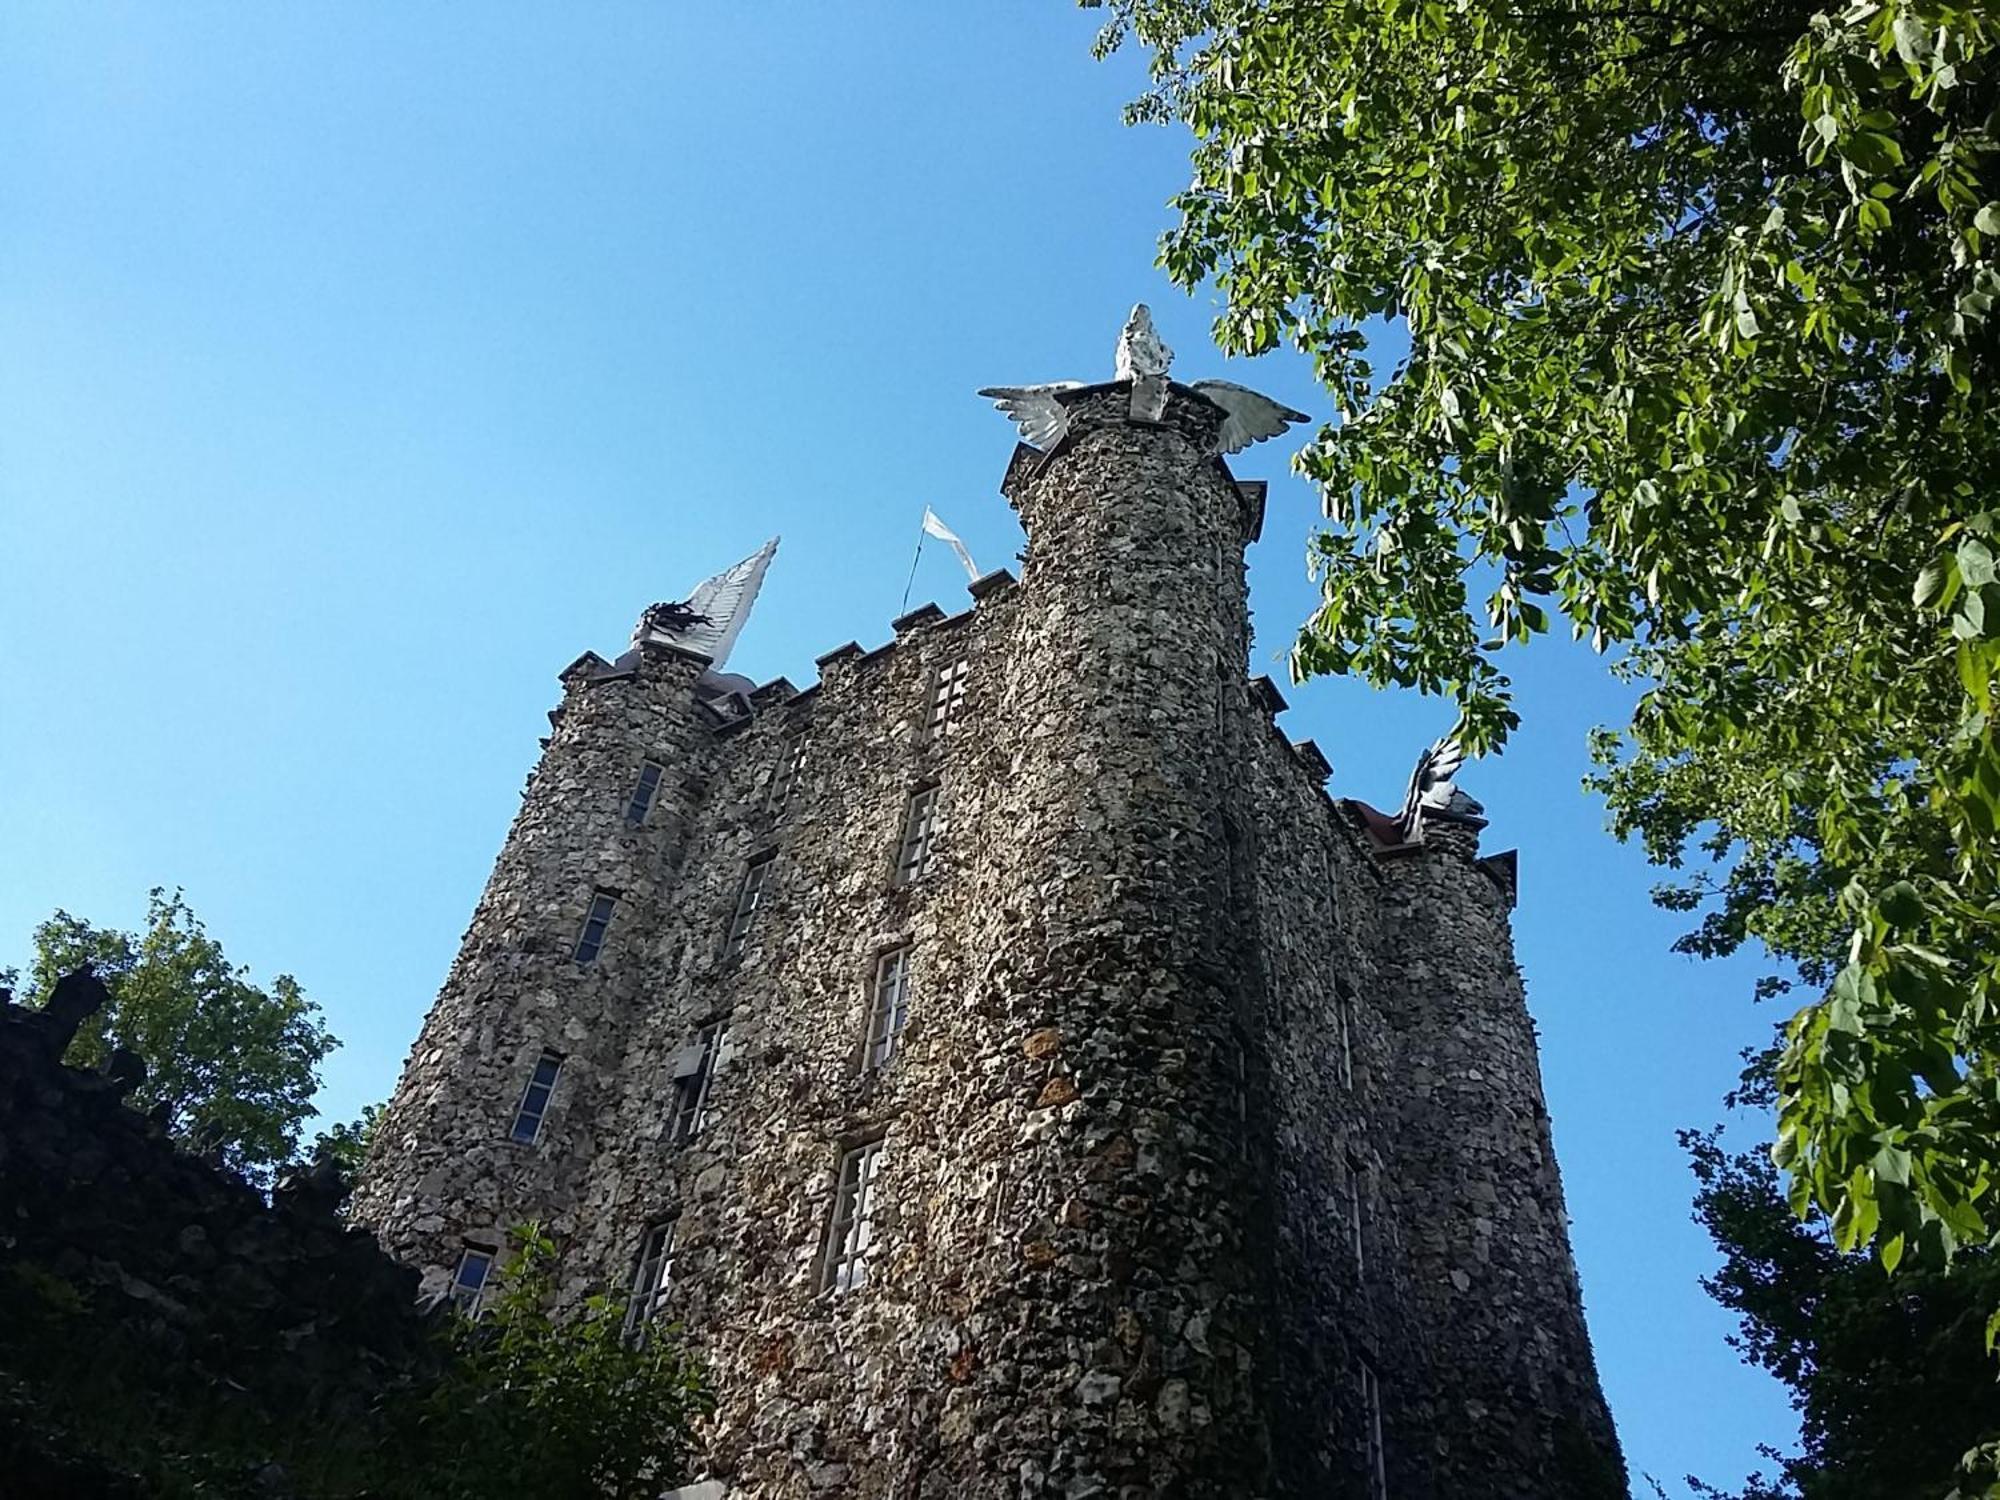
(564, 1406)
(233, 1065)
(524, 1399)
(1890, 1376)
(346, 1142)
(1700, 358)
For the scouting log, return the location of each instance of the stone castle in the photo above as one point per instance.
(1006, 1062)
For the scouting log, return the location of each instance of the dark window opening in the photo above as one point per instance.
(590, 942)
(468, 1282)
(535, 1098)
(913, 854)
(652, 1278)
(888, 1008)
(694, 1075)
(947, 698)
(644, 792)
(749, 896)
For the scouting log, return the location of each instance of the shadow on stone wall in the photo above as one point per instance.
(164, 1329)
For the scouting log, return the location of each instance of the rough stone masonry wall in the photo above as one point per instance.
(1111, 916)
(1113, 1248)
(857, 1394)
(178, 1291)
(1331, 1057)
(1461, 1295)
(446, 1173)
(1515, 1406)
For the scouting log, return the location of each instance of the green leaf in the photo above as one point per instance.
(1891, 1251)
(1975, 673)
(1872, 151)
(1975, 563)
(1970, 622)
(1901, 904)
(1844, 1005)
(1929, 582)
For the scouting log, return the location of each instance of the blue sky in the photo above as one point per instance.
(366, 363)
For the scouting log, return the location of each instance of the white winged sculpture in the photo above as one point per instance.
(711, 618)
(1143, 359)
(1432, 793)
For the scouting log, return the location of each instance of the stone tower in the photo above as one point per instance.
(1012, 1068)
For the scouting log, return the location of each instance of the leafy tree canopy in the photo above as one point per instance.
(345, 1143)
(1701, 359)
(1890, 1376)
(233, 1065)
(569, 1405)
(524, 1399)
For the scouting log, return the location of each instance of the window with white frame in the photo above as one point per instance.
(919, 830)
(749, 896)
(947, 698)
(785, 774)
(590, 942)
(888, 1009)
(535, 1098)
(652, 1277)
(850, 1229)
(468, 1282)
(694, 1073)
(1371, 1416)
(644, 793)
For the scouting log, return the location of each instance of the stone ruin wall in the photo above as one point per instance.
(1114, 1234)
(167, 1277)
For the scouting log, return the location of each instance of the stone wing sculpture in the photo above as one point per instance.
(1432, 793)
(1035, 410)
(713, 616)
(1142, 359)
(1252, 417)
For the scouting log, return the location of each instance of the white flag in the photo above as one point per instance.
(934, 527)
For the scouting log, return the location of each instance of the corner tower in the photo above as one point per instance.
(1120, 978)
(516, 1075)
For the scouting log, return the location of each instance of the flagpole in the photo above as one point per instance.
(910, 582)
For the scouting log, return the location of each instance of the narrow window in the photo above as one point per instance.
(535, 1098)
(1343, 1007)
(694, 1071)
(1357, 1211)
(1371, 1416)
(651, 1279)
(947, 698)
(590, 942)
(749, 896)
(919, 823)
(644, 792)
(848, 1232)
(468, 1282)
(785, 775)
(888, 1008)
